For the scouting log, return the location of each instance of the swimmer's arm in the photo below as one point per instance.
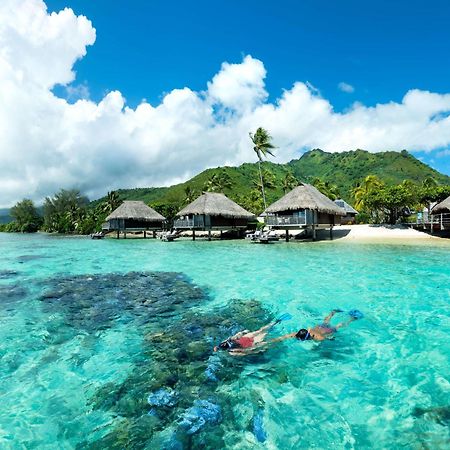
(278, 339)
(238, 352)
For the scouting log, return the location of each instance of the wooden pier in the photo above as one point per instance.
(432, 223)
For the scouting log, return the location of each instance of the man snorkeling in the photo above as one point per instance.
(246, 342)
(324, 330)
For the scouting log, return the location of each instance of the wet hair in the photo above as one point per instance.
(225, 345)
(303, 335)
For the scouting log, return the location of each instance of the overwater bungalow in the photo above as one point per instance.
(304, 208)
(350, 212)
(440, 215)
(132, 216)
(213, 211)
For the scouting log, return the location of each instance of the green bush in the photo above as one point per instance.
(363, 217)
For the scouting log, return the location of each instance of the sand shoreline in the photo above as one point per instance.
(381, 232)
(372, 233)
(344, 233)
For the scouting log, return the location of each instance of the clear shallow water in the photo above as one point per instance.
(85, 338)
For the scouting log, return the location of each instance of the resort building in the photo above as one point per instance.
(134, 216)
(213, 211)
(304, 208)
(440, 215)
(350, 212)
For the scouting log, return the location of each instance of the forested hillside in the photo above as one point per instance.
(343, 170)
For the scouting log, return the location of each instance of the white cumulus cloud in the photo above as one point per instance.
(345, 87)
(47, 142)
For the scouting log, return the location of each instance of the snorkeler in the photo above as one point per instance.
(246, 341)
(323, 331)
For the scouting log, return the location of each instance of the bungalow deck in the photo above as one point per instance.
(433, 222)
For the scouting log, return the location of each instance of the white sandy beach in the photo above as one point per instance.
(379, 232)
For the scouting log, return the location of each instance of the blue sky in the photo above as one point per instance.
(380, 48)
(109, 94)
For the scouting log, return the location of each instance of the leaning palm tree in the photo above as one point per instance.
(262, 146)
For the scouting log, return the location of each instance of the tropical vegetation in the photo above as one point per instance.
(383, 187)
(26, 218)
(342, 171)
(382, 203)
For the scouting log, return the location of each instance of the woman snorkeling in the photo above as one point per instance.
(246, 341)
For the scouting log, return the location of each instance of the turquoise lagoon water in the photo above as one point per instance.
(89, 329)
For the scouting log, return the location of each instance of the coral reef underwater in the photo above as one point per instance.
(176, 395)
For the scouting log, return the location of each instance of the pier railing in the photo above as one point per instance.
(434, 220)
(195, 222)
(286, 220)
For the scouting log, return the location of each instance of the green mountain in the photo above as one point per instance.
(348, 168)
(344, 170)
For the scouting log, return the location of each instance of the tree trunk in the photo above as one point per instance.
(262, 185)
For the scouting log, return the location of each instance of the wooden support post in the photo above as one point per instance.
(220, 234)
(154, 234)
(118, 231)
(193, 234)
(314, 232)
(209, 235)
(124, 234)
(145, 234)
(331, 232)
(287, 235)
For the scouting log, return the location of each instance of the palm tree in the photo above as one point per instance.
(429, 182)
(112, 202)
(73, 215)
(266, 179)
(218, 182)
(428, 191)
(289, 182)
(326, 188)
(262, 146)
(190, 195)
(360, 191)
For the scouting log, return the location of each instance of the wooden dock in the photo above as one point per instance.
(432, 223)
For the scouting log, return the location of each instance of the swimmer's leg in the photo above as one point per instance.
(328, 318)
(259, 335)
(345, 324)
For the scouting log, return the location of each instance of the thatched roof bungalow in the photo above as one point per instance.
(442, 208)
(304, 208)
(441, 214)
(134, 216)
(213, 211)
(350, 212)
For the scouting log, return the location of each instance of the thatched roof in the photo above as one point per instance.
(443, 207)
(136, 210)
(348, 208)
(214, 204)
(305, 196)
